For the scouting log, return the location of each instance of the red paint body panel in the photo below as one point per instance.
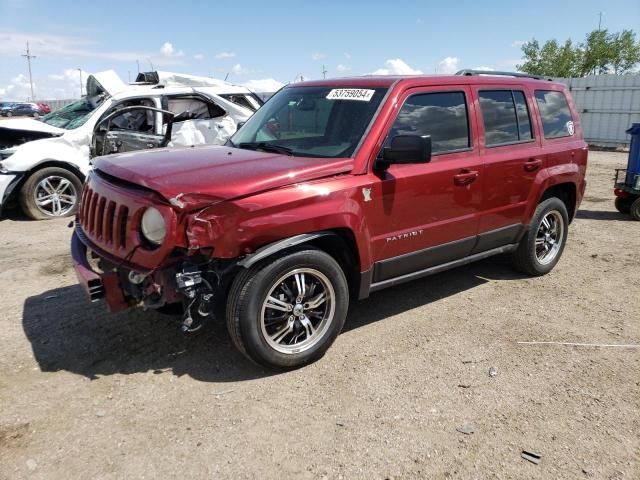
(236, 201)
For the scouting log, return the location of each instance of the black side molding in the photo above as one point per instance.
(440, 268)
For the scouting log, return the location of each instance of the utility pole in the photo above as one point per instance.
(80, 70)
(28, 56)
(599, 20)
(324, 72)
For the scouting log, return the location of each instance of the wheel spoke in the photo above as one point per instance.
(539, 241)
(57, 207)
(300, 284)
(546, 224)
(46, 184)
(67, 199)
(308, 326)
(63, 185)
(46, 200)
(276, 304)
(316, 301)
(282, 333)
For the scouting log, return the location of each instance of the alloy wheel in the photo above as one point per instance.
(55, 196)
(298, 310)
(549, 237)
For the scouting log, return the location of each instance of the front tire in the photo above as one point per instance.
(49, 193)
(542, 245)
(286, 312)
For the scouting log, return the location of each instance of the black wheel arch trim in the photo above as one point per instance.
(275, 247)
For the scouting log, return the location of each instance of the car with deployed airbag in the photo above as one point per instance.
(44, 162)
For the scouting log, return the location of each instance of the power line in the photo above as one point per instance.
(28, 56)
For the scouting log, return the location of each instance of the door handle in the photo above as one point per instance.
(465, 177)
(532, 164)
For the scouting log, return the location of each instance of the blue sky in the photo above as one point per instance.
(264, 44)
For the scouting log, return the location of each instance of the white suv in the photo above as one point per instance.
(43, 162)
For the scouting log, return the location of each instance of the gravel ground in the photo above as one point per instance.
(86, 394)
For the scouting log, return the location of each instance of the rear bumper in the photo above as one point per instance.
(97, 286)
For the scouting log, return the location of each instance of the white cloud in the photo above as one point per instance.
(225, 55)
(62, 85)
(347, 55)
(238, 69)
(518, 43)
(268, 85)
(343, 68)
(167, 50)
(396, 66)
(317, 56)
(448, 66)
(484, 68)
(45, 45)
(198, 56)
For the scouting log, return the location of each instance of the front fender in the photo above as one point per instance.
(245, 226)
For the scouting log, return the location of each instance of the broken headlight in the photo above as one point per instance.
(153, 226)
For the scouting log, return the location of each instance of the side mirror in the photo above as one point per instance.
(406, 149)
(239, 125)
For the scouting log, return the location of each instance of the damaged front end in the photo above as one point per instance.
(11, 138)
(185, 285)
(115, 261)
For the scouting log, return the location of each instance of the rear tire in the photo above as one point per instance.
(635, 209)
(542, 245)
(623, 205)
(285, 312)
(51, 192)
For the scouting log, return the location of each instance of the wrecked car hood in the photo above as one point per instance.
(105, 82)
(220, 173)
(30, 125)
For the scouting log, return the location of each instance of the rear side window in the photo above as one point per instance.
(555, 114)
(441, 115)
(505, 116)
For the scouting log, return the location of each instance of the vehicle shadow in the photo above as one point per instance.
(602, 215)
(417, 293)
(14, 213)
(69, 333)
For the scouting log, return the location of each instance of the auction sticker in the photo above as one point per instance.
(358, 94)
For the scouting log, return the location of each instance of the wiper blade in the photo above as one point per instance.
(266, 147)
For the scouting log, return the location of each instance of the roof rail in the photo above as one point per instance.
(470, 72)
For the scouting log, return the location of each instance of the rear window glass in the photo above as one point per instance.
(555, 114)
(505, 116)
(441, 115)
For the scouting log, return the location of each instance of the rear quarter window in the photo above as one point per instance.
(555, 114)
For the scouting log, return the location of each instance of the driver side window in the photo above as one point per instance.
(136, 120)
(442, 115)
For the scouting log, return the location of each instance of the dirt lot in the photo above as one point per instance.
(85, 394)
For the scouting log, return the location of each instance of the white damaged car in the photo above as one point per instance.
(43, 162)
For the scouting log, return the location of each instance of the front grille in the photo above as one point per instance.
(103, 220)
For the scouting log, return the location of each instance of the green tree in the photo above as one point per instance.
(600, 53)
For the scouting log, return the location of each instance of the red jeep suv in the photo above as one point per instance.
(333, 190)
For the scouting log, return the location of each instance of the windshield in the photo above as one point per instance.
(311, 121)
(73, 115)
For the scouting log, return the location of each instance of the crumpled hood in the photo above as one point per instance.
(217, 172)
(30, 125)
